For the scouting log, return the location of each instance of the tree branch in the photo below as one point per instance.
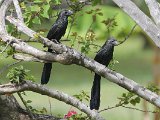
(129, 34)
(27, 58)
(30, 86)
(18, 10)
(5, 47)
(141, 19)
(3, 10)
(154, 10)
(9, 65)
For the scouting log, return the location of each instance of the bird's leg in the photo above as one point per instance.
(55, 41)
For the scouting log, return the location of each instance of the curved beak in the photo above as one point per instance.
(116, 43)
(70, 12)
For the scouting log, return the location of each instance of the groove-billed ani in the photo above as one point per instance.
(104, 56)
(55, 33)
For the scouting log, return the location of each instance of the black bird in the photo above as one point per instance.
(55, 33)
(104, 56)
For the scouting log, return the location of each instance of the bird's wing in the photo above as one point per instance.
(53, 30)
(99, 57)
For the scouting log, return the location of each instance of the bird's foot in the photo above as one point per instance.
(56, 41)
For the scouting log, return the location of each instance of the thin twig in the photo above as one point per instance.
(140, 109)
(122, 105)
(115, 106)
(95, 45)
(91, 44)
(26, 106)
(23, 101)
(9, 65)
(64, 40)
(5, 47)
(50, 106)
(73, 19)
(88, 29)
(128, 34)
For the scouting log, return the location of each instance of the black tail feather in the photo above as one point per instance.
(46, 71)
(95, 93)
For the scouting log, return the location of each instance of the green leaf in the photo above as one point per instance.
(45, 11)
(95, 2)
(10, 51)
(38, 1)
(100, 14)
(22, 5)
(48, 1)
(44, 110)
(124, 95)
(57, 2)
(35, 8)
(9, 28)
(137, 99)
(28, 101)
(36, 20)
(31, 77)
(133, 102)
(17, 74)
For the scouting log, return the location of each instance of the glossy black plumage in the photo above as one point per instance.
(55, 33)
(104, 56)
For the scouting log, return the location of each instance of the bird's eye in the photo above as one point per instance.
(66, 12)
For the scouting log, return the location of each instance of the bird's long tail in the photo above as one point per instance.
(46, 71)
(95, 93)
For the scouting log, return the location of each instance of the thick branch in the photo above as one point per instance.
(141, 19)
(154, 10)
(21, 46)
(30, 86)
(3, 10)
(27, 58)
(18, 10)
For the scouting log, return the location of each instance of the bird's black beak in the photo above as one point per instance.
(70, 12)
(116, 43)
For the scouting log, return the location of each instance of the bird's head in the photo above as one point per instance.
(65, 13)
(113, 42)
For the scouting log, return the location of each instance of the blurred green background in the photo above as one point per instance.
(135, 62)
